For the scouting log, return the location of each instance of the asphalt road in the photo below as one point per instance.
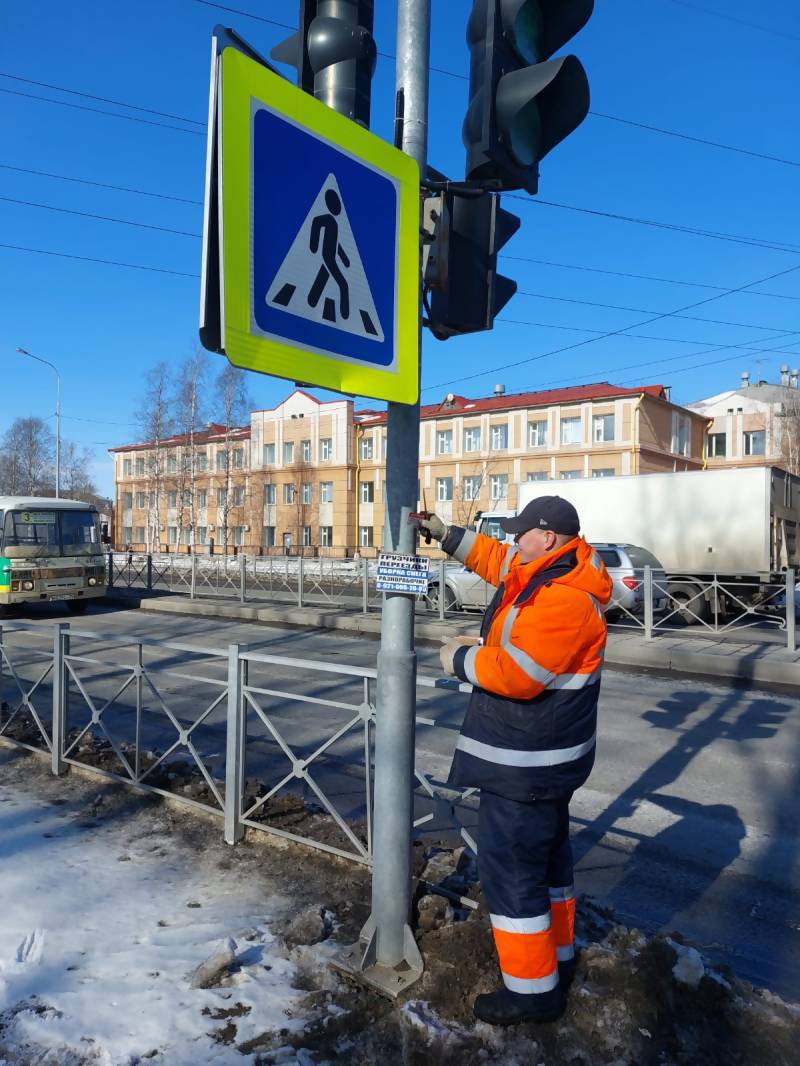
(689, 821)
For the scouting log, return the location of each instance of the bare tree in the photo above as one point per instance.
(76, 478)
(232, 406)
(190, 406)
(790, 431)
(26, 458)
(156, 423)
(466, 504)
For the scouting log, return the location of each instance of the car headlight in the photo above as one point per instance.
(27, 586)
(92, 580)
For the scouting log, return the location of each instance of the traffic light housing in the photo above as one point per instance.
(521, 103)
(334, 54)
(466, 292)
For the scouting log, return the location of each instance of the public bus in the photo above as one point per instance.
(50, 549)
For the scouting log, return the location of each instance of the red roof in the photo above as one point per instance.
(463, 405)
(213, 432)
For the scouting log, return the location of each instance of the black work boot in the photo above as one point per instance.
(566, 974)
(504, 1007)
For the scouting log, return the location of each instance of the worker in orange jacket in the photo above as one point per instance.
(528, 738)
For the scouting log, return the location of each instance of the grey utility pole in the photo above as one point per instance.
(24, 351)
(391, 957)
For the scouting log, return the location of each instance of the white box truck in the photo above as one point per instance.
(741, 524)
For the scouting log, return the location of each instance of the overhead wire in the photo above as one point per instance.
(104, 262)
(101, 218)
(100, 111)
(101, 184)
(735, 18)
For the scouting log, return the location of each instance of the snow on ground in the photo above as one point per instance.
(105, 923)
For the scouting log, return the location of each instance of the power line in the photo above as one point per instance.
(638, 277)
(101, 185)
(101, 99)
(97, 421)
(99, 111)
(101, 218)
(733, 18)
(618, 332)
(751, 242)
(104, 262)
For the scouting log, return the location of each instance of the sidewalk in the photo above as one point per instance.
(706, 656)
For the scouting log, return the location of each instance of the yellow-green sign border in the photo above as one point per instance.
(241, 81)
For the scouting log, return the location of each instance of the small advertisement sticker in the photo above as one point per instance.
(403, 573)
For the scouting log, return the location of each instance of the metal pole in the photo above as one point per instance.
(299, 578)
(242, 578)
(58, 732)
(390, 941)
(149, 571)
(110, 581)
(364, 585)
(791, 621)
(648, 603)
(441, 590)
(234, 751)
(38, 358)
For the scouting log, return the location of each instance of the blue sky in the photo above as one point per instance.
(718, 70)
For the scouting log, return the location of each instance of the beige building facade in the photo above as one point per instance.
(309, 476)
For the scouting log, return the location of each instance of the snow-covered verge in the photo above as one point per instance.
(130, 934)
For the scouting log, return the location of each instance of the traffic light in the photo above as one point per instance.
(334, 54)
(520, 106)
(466, 292)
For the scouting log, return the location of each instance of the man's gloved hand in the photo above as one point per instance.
(433, 525)
(449, 648)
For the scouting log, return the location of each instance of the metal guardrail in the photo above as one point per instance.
(225, 730)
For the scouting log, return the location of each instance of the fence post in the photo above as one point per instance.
(242, 578)
(234, 748)
(300, 580)
(110, 570)
(193, 587)
(791, 622)
(149, 572)
(364, 585)
(60, 649)
(441, 589)
(648, 603)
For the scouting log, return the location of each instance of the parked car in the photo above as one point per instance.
(465, 591)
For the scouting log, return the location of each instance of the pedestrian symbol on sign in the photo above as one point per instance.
(322, 277)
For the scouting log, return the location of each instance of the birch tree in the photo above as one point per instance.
(190, 405)
(156, 423)
(232, 405)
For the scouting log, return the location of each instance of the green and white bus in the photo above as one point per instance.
(50, 549)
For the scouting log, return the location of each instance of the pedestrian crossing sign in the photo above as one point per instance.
(318, 240)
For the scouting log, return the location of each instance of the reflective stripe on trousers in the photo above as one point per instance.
(562, 911)
(526, 950)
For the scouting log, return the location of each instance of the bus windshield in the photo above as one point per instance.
(31, 534)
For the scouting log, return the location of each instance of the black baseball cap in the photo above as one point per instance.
(545, 512)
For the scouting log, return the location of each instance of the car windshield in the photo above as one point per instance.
(642, 557)
(35, 533)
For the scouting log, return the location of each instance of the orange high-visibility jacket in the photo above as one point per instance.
(529, 731)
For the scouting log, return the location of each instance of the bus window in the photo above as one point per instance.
(32, 530)
(80, 534)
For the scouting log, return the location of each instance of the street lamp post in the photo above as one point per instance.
(24, 351)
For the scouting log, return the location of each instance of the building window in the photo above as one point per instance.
(238, 496)
(755, 442)
(127, 534)
(568, 475)
(537, 475)
(222, 497)
(222, 462)
(187, 536)
(172, 534)
(201, 462)
(366, 491)
(269, 455)
(202, 498)
(326, 492)
(238, 535)
(717, 445)
(499, 438)
(139, 467)
(472, 439)
(172, 499)
(305, 492)
(306, 446)
(172, 464)
(127, 468)
(140, 499)
(238, 458)
(326, 536)
(326, 448)
(571, 432)
(537, 433)
(288, 453)
(127, 500)
(602, 428)
(288, 493)
(471, 488)
(444, 489)
(603, 471)
(305, 536)
(444, 442)
(202, 534)
(268, 537)
(365, 536)
(139, 538)
(680, 433)
(498, 487)
(270, 494)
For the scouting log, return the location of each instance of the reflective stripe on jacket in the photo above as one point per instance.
(529, 731)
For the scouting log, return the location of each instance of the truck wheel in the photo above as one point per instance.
(77, 606)
(689, 605)
(432, 599)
